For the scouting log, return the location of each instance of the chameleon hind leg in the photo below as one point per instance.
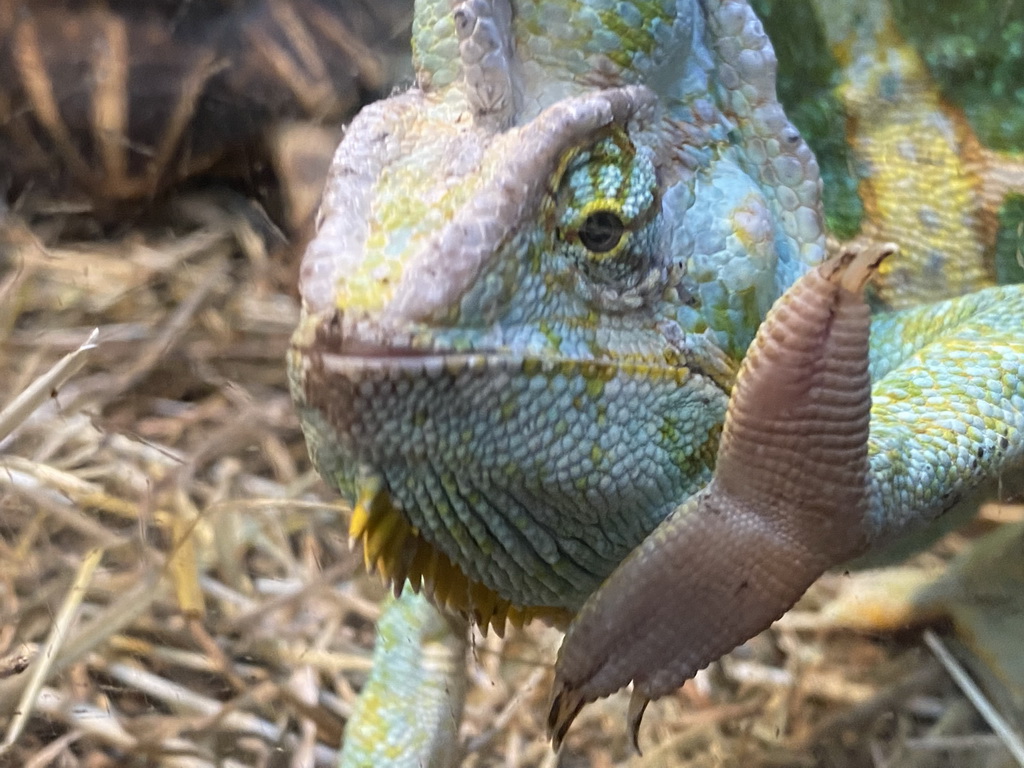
(409, 711)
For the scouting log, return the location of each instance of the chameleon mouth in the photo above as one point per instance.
(392, 545)
(349, 351)
(359, 349)
(353, 363)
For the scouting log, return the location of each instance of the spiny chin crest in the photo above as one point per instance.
(399, 553)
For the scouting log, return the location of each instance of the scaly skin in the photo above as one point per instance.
(915, 115)
(419, 658)
(535, 277)
(926, 181)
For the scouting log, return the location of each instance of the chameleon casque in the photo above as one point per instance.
(534, 279)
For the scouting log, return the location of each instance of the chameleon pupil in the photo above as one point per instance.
(601, 231)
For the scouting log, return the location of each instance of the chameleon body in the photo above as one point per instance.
(535, 276)
(900, 100)
(907, 142)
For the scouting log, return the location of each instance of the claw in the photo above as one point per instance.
(637, 706)
(853, 267)
(565, 705)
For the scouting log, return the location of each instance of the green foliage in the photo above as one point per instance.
(1010, 242)
(974, 50)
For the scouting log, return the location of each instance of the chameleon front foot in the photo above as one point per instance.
(788, 501)
(567, 703)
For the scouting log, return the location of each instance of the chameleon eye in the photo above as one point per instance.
(601, 231)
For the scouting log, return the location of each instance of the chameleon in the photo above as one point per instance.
(114, 102)
(906, 139)
(525, 313)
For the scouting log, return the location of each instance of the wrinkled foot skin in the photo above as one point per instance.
(788, 501)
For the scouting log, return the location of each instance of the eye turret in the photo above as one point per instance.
(607, 203)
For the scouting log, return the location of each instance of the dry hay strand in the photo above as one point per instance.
(176, 587)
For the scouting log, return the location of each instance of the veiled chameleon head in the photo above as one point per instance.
(533, 274)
